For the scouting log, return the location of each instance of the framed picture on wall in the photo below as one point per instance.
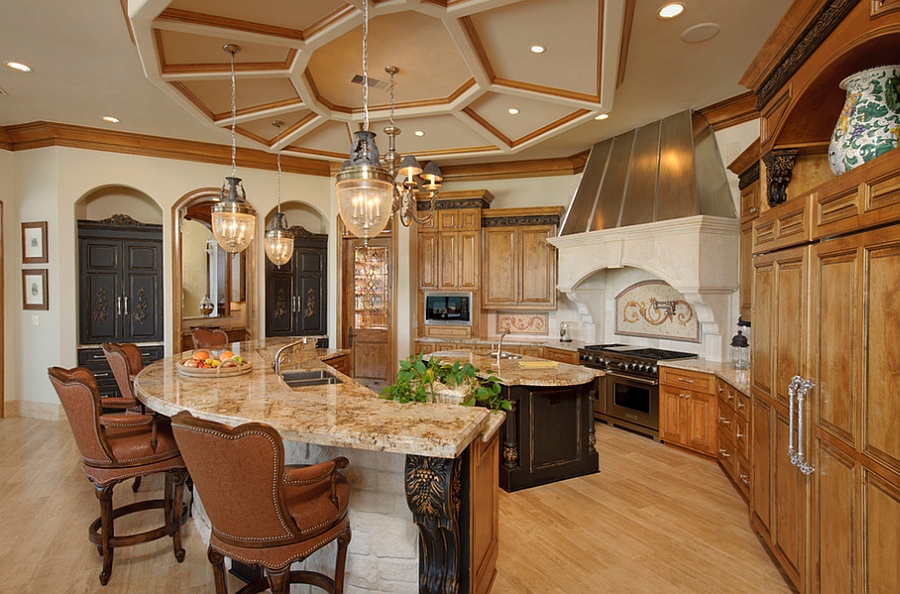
(34, 289)
(34, 243)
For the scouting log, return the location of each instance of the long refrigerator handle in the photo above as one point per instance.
(798, 389)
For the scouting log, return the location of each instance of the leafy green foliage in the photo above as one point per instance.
(418, 377)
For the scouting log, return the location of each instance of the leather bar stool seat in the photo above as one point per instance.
(116, 447)
(262, 512)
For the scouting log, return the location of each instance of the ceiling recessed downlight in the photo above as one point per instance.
(538, 49)
(19, 66)
(513, 111)
(110, 119)
(602, 116)
(419, 133)
(670, 10)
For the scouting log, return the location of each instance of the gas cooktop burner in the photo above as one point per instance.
(639, 352)
(623, 358)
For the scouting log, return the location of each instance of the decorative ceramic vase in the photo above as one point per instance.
(206, 307)
(869, 125)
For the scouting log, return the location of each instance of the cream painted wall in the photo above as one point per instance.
(48, 185)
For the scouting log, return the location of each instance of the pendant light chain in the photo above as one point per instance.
(365, 64)
(233, 117)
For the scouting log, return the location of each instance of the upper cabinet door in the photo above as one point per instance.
(142, 308)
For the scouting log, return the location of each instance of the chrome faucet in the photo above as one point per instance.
(277, 363)
(500, 346)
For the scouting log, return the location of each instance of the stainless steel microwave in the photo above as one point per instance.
(452, 308)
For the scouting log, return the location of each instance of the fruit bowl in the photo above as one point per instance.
(208, 364)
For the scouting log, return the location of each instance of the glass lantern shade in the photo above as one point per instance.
(365, 196)
(233, 220)
(279, 241)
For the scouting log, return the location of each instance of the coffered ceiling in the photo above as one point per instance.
(463, 65)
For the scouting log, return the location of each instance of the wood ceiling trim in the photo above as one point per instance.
(551, 126)
(36, 135)
(182, 69)
(468, 27)
(194, 100)
(731, 112)
(196, 18)
(47, 134)
(487, 126)
(330, 20)
(124, 5)
(624, 42)
(549, 91)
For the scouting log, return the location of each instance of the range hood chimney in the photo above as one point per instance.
(665, 170)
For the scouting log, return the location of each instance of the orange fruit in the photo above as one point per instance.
(226, 355)
(200, 355)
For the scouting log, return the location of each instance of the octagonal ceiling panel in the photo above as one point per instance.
(190, 53)
(331, 140)
(266, 93)
(261, 129)
(570, 64)
(286, 15)
(492, 110)
(431, 69)
(444, 135)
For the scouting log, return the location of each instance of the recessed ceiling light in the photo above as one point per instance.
(419, 133)
(670, 10)
(19, 66)
(538, 49)
(513, 111)
(110, 119)
(602, 116)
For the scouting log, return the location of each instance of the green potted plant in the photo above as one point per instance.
(429, 380)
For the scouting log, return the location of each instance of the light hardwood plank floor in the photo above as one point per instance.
(654, 520)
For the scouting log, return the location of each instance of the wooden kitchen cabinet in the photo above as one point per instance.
(449, 250)
(519, 264)
(561, 355)
(296, 292)
(688, 409)
(746, 167)
(733, 436)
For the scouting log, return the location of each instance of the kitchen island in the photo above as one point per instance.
(548, 435)
(411, 466)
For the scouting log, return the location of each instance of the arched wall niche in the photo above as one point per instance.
(200, 266)
(106, 201)
(299, 213)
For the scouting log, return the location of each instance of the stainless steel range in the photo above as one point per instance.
(629, 394)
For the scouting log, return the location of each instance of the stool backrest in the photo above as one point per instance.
(205, 339)
(238, 473)
(126, 361)
(77, 390)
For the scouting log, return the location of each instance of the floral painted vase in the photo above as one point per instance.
(869, 125)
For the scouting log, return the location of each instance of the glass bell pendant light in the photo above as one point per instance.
(279, 239)
(364, 189)
(233, 220)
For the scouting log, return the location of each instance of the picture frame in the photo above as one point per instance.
(34, 242)
(34, 289)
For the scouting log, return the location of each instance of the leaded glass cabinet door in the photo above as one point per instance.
(368, 285)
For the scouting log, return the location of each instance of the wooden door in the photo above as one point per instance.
(701, 423)
(429, 263)
(310, 288)
(368, 315)
(671, 415)
(142, 307)
(100, 287)
(500, 267)
(537, 261)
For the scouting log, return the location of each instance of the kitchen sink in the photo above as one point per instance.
(308, 377)
(503, 355)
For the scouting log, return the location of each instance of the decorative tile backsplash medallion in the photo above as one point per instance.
(522, 323)
(654, 309)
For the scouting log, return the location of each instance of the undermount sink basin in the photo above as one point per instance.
(503, 355)
(308, 377)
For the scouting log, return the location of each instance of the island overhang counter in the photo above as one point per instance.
(411, 465)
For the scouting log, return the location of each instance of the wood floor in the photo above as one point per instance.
(654, 520)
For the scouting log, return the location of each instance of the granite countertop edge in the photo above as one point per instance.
(724, 370)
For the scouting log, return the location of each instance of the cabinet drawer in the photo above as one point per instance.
(742, 475)
(449, 331)
(727, 394)
(725, 452)
(531, 351)
(693, 380)
(743, 405)
(741, 436)
(561, 355)
(725, 419)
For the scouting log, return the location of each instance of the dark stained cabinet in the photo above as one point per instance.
(296, 291)
(120, 281)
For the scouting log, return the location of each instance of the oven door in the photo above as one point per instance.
(633, 400)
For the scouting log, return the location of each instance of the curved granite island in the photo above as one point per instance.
(548, 435)
(429, 466)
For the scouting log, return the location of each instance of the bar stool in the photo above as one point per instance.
(116, 447)
(206, 339)
(262, 512)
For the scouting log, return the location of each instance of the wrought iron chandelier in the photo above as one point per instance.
(233, 220)
(407, 190)
(279, 239)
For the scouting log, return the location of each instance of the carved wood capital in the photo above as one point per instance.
(779, 169)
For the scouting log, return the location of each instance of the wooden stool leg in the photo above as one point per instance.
(104, 495)
(279, 580)
(218, 562)
(174, 504)
(136, 484)
(340, 562)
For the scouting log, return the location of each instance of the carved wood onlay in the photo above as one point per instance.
(301, 231)
(453, 204)
(117, 220)
(831, 14)
(779, 168)
(433, 490)
(514, 221)
(749, 176)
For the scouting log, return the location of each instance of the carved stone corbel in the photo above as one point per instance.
(779, 168)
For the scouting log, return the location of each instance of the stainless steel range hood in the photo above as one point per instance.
(665, 170)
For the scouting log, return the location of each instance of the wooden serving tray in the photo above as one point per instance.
(214, 373)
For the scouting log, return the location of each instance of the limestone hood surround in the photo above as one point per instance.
(655, 198)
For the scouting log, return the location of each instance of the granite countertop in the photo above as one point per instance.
(344, 415)
(572, 345)
(739, 378)
(511, 373)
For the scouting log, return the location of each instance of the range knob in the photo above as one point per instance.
(623, 366)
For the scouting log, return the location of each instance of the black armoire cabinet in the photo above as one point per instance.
(296, 291)
(120, 291)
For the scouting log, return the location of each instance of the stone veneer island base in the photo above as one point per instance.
(426, 468)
